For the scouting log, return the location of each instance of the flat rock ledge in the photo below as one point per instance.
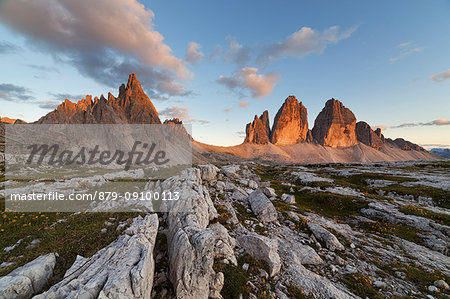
(123, 269)
(29, 279)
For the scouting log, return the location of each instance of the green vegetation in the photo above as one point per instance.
(438, 217)
(73, 235)
(235, 280)
(361, 286)
(387, 229)
(323, 203)
(294, 292)
(417, 276)
(440, 197)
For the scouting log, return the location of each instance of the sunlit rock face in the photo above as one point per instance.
(258, 131)
(335, 125)
(131, 106)
(291, 123)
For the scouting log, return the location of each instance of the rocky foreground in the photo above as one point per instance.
(255, 230)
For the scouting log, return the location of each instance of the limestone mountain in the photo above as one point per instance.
(335, 125)
(291, 123)
(404, 145)
(12, 121)
(258, 131)
(131, 106)
(366, 135)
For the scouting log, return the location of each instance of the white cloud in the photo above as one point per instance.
(303, 42)
(406, 49)
(103, 39)
(182, 113)
(247, 78)
(406, 44)
(437, 122)
(193, 55)
(441, 76)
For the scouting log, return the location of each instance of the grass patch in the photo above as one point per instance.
(418, 276)
(235, 280)
(438, 217)
(440, 197)
(361, 286)
(294, 292)
(78, 235)
(387, 229)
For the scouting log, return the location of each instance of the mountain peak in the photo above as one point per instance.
(133, 82)
(131, 106)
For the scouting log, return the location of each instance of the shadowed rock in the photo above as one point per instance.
(258, 131)
(366, 135)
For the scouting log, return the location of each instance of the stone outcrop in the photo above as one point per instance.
(258, 131)
(366, 135)
(321, 234)
(28, 279)
(264, 248)
(131, 106)
(335, 125)
(404, 145)
(262, 206)
(123, 269)
(193, 243)
(291, 123)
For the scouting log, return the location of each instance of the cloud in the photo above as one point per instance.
(14, 93)
(247, 78)
(441, 76)
(43, 68)
(7, 47)
(403, 45)
(62, 96)
(406, 49)
(122, 36)
(303, 42)
(437, 122)
(234, 52)
(241, 134)
(243, 104)
(182, 113)
(48, 104)
(193, 55)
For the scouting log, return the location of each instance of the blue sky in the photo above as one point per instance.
(387, 61)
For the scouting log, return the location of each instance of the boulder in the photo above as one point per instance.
(262, 207)
(29, 279)
(288, 198)
(208, 172)
(261, 247)
(321, 234)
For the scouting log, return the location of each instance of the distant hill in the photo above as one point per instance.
(441, 152)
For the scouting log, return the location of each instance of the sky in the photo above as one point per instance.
(215, 64)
